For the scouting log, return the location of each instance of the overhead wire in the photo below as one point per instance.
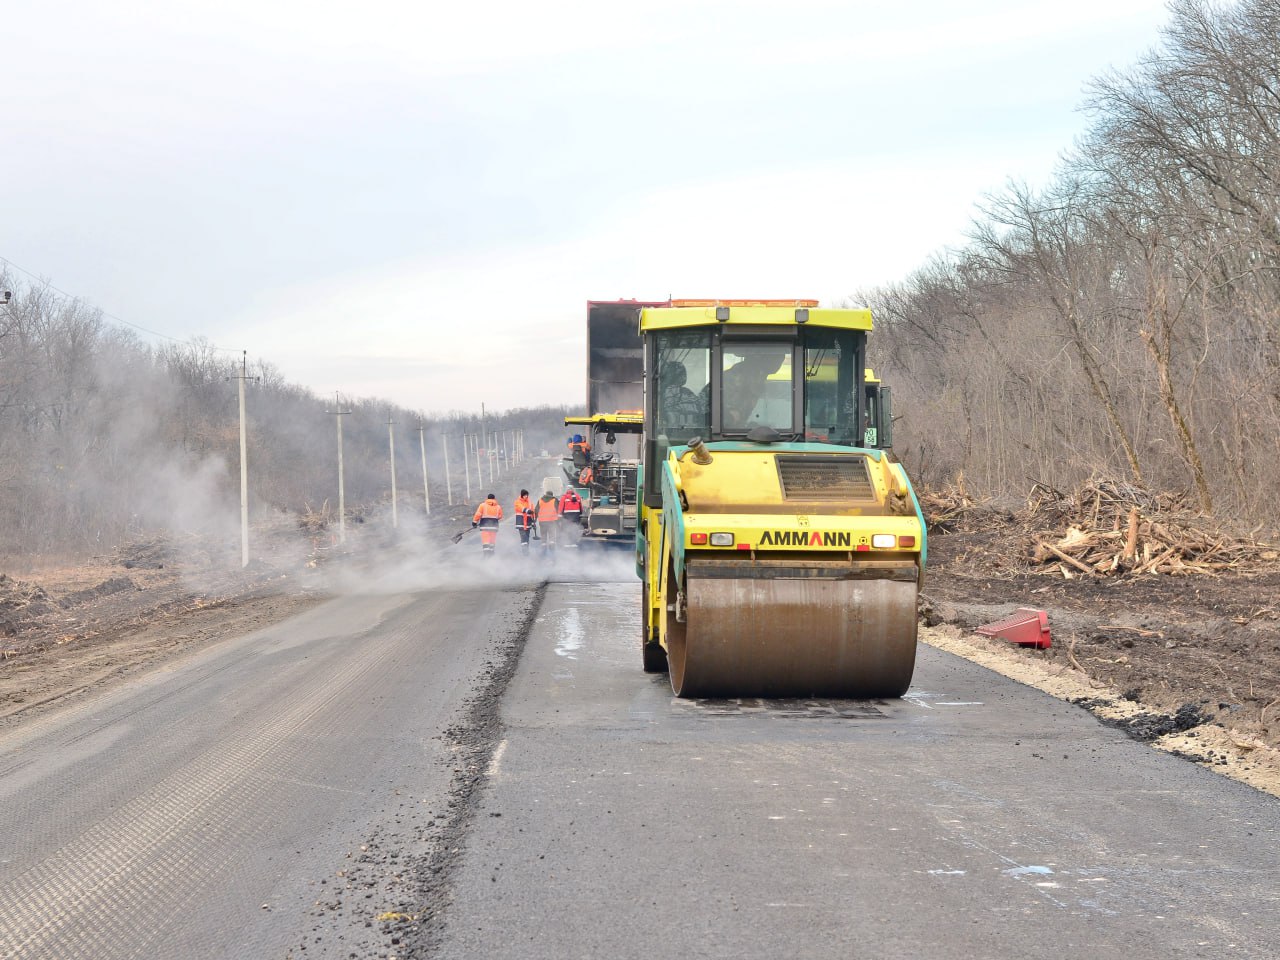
(111, 316)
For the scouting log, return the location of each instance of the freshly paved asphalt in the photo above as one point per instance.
(486, 772)
(975, 818)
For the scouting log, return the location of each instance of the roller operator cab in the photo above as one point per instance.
(780, 545)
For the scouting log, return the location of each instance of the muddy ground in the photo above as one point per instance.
(1190, 662)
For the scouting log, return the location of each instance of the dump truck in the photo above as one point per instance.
(615, 354)
(780, 545)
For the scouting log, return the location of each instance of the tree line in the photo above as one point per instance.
(1124, 319)
(104, 437)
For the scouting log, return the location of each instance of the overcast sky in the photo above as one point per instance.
(414, 200)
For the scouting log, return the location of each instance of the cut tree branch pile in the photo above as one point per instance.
(1108, 528)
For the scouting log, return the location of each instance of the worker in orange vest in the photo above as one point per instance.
(548, 512)
(524, 517)
(487, 516)
(586, 476)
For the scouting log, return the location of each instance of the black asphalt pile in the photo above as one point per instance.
(104, 589)
(1146, 727)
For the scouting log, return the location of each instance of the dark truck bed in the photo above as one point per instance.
(615, 355)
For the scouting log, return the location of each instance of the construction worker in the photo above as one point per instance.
(486, 518)
(524, 518)
(571, 506)
(579, 450)
(548, 512)
(586, 476)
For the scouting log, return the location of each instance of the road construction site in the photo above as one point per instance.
(447, 757)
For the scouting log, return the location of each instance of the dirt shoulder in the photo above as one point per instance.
(1188, 660)
(71, 627)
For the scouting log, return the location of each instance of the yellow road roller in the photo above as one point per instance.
(781, 546)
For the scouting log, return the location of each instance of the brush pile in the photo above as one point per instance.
(22, 603)
(1107, 528)
(1115, 528)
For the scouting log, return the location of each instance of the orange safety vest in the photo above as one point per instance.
(524, 512)
(586, 476)
(548, 510)
(488, 513)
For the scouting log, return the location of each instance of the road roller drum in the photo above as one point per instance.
(793, 631)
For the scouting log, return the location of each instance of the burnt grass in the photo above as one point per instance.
(1189, 650)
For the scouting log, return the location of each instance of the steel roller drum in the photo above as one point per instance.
(807, 634)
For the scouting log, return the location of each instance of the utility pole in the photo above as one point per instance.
(338, 414)
(490, 454)
(479, 468)
(244, 458)
(448, 481)
(466, 465)
(422, 445)
(391, 437)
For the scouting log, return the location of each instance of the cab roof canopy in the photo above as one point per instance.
(620, 421)
(701, 313)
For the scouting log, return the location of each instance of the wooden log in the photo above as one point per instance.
(1131, 540)
(1067, 558)
(1150, 565)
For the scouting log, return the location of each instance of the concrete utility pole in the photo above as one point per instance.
(244, 459)
(338, 414)
(480, 468)
(466, 465)
(391, 437)
(422, 446)
(448, 481)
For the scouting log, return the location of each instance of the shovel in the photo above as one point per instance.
(458, 536)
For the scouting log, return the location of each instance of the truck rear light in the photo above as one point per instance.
(722, 539)
(906, 541)
(884, 541)
(862, 546)
(698, 539)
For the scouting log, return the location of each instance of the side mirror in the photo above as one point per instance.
(885, 426)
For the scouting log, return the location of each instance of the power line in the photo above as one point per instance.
(111, 316)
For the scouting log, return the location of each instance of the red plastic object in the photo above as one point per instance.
(1027, 627)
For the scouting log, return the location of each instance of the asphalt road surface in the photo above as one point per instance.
(474, 773)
